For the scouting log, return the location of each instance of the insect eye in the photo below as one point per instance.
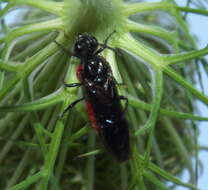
(94, 42)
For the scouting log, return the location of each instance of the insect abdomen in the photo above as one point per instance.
(112, 128)
(116, 139)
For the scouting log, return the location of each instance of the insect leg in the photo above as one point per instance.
(71, 106)
(73, 85)
(126, 104)
(64, 49)
(104, 47)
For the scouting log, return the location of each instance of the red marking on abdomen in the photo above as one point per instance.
(92, 116)
(78, 73)
(90, 110)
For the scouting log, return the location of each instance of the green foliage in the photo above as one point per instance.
(156, 63)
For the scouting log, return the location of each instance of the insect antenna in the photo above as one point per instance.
(105, 46)
(109, 36)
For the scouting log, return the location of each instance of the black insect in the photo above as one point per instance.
(100, 93)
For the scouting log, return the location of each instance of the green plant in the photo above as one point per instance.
(31, 93)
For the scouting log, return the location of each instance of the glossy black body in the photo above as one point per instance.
(100, 92)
